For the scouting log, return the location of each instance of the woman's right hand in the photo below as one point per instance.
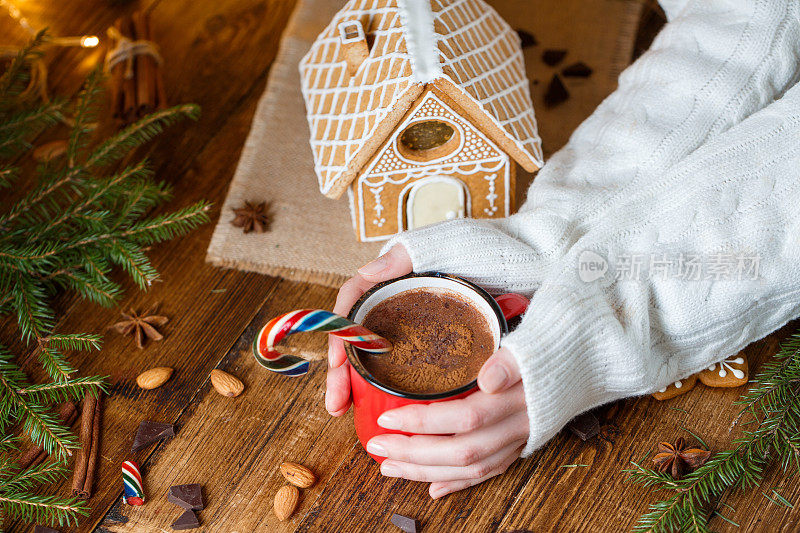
(394, 263)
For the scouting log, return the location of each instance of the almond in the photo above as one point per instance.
(298, 475)
(154, 378)
(226, 384)
(286, 501)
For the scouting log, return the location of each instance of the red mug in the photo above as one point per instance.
(372, 398)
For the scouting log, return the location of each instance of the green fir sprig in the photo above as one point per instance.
(85, 215)
(772, 406)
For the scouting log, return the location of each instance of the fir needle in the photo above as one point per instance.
(695, 435)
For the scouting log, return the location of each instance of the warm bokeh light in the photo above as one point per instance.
(90, 41)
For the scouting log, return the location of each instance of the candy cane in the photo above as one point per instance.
(132, 483)
(310, 320)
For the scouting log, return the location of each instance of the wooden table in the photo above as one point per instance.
(218, 54)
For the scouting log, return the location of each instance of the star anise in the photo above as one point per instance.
(251, 217)
(142, 326)
(677, 459)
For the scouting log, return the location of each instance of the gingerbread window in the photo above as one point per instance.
(428, 140)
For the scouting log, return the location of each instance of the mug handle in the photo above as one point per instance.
(512, 305)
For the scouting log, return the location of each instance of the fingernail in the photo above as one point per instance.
(389, 470)
(438, 493)
(389, 421)
(376, 449)
(493, 378)
(374, 267)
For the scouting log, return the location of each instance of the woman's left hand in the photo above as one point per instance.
(459, 443)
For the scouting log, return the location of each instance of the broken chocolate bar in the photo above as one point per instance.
(188, 496)
(150, 432)
(577, 70)
(553, 57)
(556, 92)
(527, 39)
(187, 520)
(406, 523)
(585, 426)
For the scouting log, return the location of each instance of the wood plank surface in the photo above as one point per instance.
(218, 54)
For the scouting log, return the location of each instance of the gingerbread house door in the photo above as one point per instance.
(436, 199)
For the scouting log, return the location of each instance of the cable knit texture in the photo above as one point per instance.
(697, 153)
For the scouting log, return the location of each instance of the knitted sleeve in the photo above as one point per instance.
(678, 164)
(712, 66)
(708, 263)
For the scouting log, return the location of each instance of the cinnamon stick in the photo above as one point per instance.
(145, 68)
(95, 454)
(117, 79)
(129, 79)
(67, 413)
(86, 462)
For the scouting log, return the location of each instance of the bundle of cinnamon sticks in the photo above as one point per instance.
(137, 86)
(86, 462)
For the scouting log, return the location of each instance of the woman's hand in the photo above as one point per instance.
(460, 443)
(392, 264)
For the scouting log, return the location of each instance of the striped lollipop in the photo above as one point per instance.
(310, 320)
(132, 483)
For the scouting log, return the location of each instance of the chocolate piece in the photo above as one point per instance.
(406, 523)
(45, 529)
(577, 70)
(556, 92)
(188, 496)
(553, 57)
(150, 432)
(188, 520)
(527, 39)
(585, 426)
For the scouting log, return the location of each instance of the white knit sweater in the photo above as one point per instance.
(694, 160)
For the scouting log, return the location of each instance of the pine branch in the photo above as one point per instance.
(139, 133)
(80, 222)
(42, 509)
(48, 472)
(63, 391)
(773, 400)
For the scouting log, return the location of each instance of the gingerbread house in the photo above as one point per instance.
(420, 110)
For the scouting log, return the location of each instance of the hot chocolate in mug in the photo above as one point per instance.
(370, 397)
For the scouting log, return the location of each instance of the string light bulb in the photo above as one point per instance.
(90, 41)
(84, 41)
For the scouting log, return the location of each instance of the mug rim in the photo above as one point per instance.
(369, 378)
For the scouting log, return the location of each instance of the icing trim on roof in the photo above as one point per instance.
(421, 39)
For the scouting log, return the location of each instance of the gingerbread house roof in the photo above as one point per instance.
(461, 47)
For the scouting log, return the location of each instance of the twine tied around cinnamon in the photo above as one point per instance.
(127, 50)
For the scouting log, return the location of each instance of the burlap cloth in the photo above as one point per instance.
(311, 237)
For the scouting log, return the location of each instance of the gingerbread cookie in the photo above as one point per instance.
(731, 372)
(677, 388)
(411, 112)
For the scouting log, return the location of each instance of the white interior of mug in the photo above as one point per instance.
(433, 284)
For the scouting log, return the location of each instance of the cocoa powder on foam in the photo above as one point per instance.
(440, 341)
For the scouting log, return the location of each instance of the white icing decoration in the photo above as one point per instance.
(491, 196)
(725, 366)
(421, 39)
(677, 385)
(378, 220)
